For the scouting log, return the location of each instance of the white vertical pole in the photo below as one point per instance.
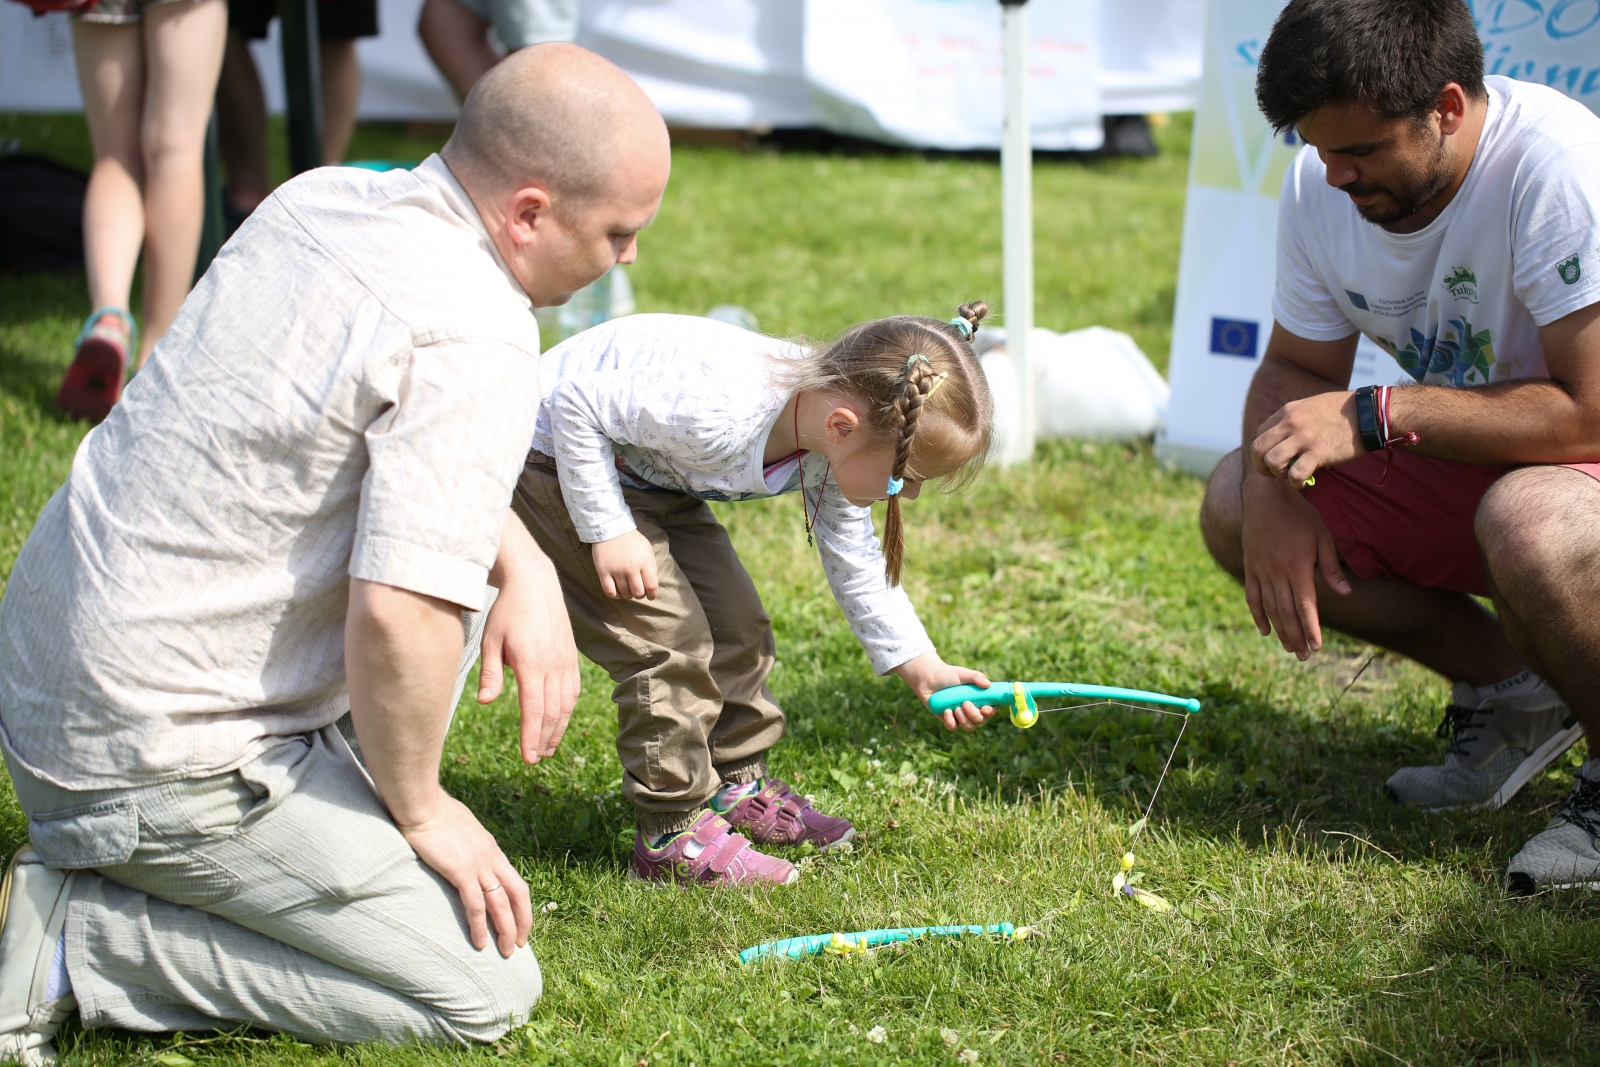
(1016, 197)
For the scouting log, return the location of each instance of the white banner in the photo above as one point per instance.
(727, 64)
(1150, 55)
(36, 69)
(927, 72)
(741, 64)
(1225, 272)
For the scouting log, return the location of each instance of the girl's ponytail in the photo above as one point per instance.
(921, 380)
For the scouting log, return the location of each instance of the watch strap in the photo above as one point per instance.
(1367, 418)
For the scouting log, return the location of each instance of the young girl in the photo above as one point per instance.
(650, 416)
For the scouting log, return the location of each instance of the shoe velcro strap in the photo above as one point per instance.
(768, 813)
(710, 830)
(724, 852)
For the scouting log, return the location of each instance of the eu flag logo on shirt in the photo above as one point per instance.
(1234, 337)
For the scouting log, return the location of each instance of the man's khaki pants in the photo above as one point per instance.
(690, 667)
(280, 894)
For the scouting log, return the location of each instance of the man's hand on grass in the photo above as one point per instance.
(928, 673)
(454, 843)
(627, 566)
(1286, 545)
(1304, 436)
(528, 630)
(402, 651)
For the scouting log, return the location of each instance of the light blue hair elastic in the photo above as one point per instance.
(963, 325)
(895, 485)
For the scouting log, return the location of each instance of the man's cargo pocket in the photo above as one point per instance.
(99, 835)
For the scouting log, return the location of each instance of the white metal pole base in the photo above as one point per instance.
(1016, 185)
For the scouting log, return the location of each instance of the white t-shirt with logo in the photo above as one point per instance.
(1459, 302)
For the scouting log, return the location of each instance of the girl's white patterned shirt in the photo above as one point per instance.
(685, 403)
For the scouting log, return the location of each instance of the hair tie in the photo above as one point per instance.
(912, 362)
(895, 485)
(964, 326)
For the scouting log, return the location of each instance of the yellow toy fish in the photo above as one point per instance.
(1120, 886)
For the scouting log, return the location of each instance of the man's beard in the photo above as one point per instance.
(1406, 199)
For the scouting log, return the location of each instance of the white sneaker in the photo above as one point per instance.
(1496, 747)
(1566, 854)
(33, 910)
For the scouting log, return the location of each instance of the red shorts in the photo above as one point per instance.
(1408, 518)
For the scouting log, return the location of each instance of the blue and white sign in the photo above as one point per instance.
(1553, 42)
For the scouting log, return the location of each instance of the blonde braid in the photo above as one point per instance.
(920, 382)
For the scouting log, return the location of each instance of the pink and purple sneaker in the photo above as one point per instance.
(708, 853)
(773, 814)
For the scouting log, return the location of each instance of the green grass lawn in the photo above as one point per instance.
(1318, 924)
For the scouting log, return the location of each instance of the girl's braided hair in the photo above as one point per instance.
(925, 395)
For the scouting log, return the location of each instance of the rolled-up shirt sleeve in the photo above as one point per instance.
(881, 616)
(444, 451)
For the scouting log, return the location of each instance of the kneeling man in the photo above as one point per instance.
(1455, 220)
(281, 522)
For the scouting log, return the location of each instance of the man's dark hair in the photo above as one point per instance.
(1391, 55)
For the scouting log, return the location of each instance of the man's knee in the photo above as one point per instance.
(1221, 517)
(1538, 525)
(499, 995)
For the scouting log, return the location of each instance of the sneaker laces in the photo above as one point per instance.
(1585, 797)
(1455, 724)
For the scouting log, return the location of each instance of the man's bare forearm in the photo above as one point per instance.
(402, 651)
(1528, 421)
(518, 551)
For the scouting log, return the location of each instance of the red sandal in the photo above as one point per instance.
(99, 365)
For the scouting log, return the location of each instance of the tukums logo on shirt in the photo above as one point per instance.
(1570, 271)
(1462, 284)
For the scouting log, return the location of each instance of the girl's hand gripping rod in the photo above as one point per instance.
(1023, 698)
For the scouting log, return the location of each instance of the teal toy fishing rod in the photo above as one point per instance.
(1023, 697)
(795, 948)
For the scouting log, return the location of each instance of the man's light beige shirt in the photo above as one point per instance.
(350, 391)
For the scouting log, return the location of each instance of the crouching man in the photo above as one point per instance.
(1455, 220)
(282, 522)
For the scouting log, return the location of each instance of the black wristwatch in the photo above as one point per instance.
(1367, 418)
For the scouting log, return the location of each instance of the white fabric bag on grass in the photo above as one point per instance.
(1088, 383)
(1096, 383)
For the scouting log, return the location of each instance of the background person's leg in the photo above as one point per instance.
(1445, 631)
(183, 42)
(111, 74)
(457, 40)
(1539, 528)
(242, 126)
(341, 91)
(282, 896)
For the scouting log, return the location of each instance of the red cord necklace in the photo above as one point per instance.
(807, 514)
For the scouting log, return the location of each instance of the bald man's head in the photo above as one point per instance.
(566, 161)
(556, 116)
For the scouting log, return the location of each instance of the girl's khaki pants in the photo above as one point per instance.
(690, 667)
